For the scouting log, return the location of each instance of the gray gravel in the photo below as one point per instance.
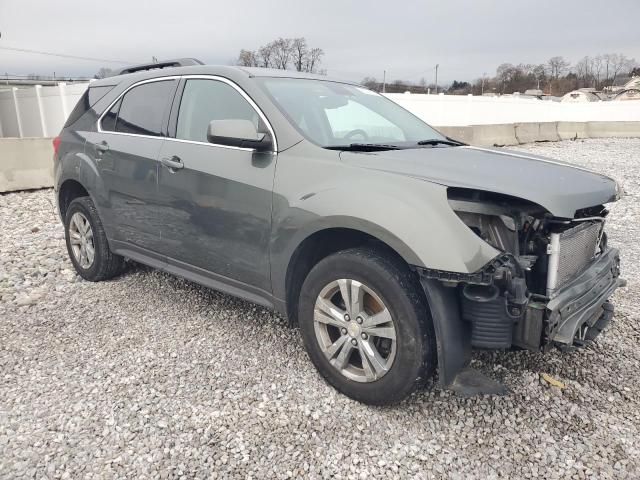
(149, 376)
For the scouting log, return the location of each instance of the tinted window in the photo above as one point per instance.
(108, 123)
(80, 109)
(206, 100)
(143, 108)
(87, 100)
(96, 93)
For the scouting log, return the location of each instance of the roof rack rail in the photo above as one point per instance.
(178, 62)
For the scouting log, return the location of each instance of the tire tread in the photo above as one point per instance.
(397, 272)
(108, 264)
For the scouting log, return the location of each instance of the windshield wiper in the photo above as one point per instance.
(439, 141)
(363, 147)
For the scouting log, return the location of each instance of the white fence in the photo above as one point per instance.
(37, 111)
(41, 111)
(461, 110)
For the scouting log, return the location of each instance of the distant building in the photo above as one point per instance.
(581, 96)
(628, 94)
(633, 83)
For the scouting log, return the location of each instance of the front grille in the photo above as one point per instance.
(571, 252)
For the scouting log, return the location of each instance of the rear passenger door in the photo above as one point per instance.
(217, 206)
(125, 150)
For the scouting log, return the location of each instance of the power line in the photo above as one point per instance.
(64, 55)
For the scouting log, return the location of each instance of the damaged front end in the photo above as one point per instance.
(551, 283)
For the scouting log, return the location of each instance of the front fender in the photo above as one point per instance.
(410, 215)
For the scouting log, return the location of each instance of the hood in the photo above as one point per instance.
(559, 187)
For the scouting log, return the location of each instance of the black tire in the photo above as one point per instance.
(399, 289)
(105, 264)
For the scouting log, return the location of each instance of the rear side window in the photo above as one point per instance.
(96, 93)
(89, 98)
(206, 100)
(142, 110)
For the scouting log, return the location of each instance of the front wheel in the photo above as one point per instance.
(366, 326)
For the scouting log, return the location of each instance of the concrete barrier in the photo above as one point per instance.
(462, 134)
(25, 163)
(572, 130)
(613, 129)
(536, 132)
(494, 135)
(548, 132)
(519, 133)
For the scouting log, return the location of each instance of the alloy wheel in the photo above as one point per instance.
(355, 330)
(81, 240)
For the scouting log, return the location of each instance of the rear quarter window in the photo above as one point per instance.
(88, 99)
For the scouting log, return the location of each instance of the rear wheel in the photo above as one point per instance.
(87, 243)
(366, 327)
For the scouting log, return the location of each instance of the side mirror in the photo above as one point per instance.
(238, 133)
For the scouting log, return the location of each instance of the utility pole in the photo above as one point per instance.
(482, 90)
(384, 81)
(437, 65)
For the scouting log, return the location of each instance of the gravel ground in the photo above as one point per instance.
(150, 376)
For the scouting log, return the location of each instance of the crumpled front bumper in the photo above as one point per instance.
(581, 303)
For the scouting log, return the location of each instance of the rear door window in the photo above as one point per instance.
(142, 110)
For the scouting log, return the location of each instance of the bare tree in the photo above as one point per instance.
(596, 65)
(247, 58)
(282, 51)
(504, 75)
(103, 73)
(608, 59)
(557, 67)
(370, 82)
(620, 63)
(265, 55)
(300, 52)
(313, 59)
(583, 70)
(540, 74)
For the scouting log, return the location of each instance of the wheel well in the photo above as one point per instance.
(316, 247)
(69, 191)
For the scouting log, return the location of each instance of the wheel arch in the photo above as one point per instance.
(451, 333)
(69, 190)
(324, 241)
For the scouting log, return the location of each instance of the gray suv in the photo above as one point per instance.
(395, 249)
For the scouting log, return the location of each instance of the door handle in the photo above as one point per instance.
(174, 163)
(101, 147)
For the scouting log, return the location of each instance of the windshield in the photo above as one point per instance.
(333, 114)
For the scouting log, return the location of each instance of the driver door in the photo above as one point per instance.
(216, 205)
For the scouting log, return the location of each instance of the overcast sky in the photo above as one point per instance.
(360, 38)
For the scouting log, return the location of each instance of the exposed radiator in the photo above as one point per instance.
(570, 252)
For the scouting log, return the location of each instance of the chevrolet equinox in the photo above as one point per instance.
(395, 249)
